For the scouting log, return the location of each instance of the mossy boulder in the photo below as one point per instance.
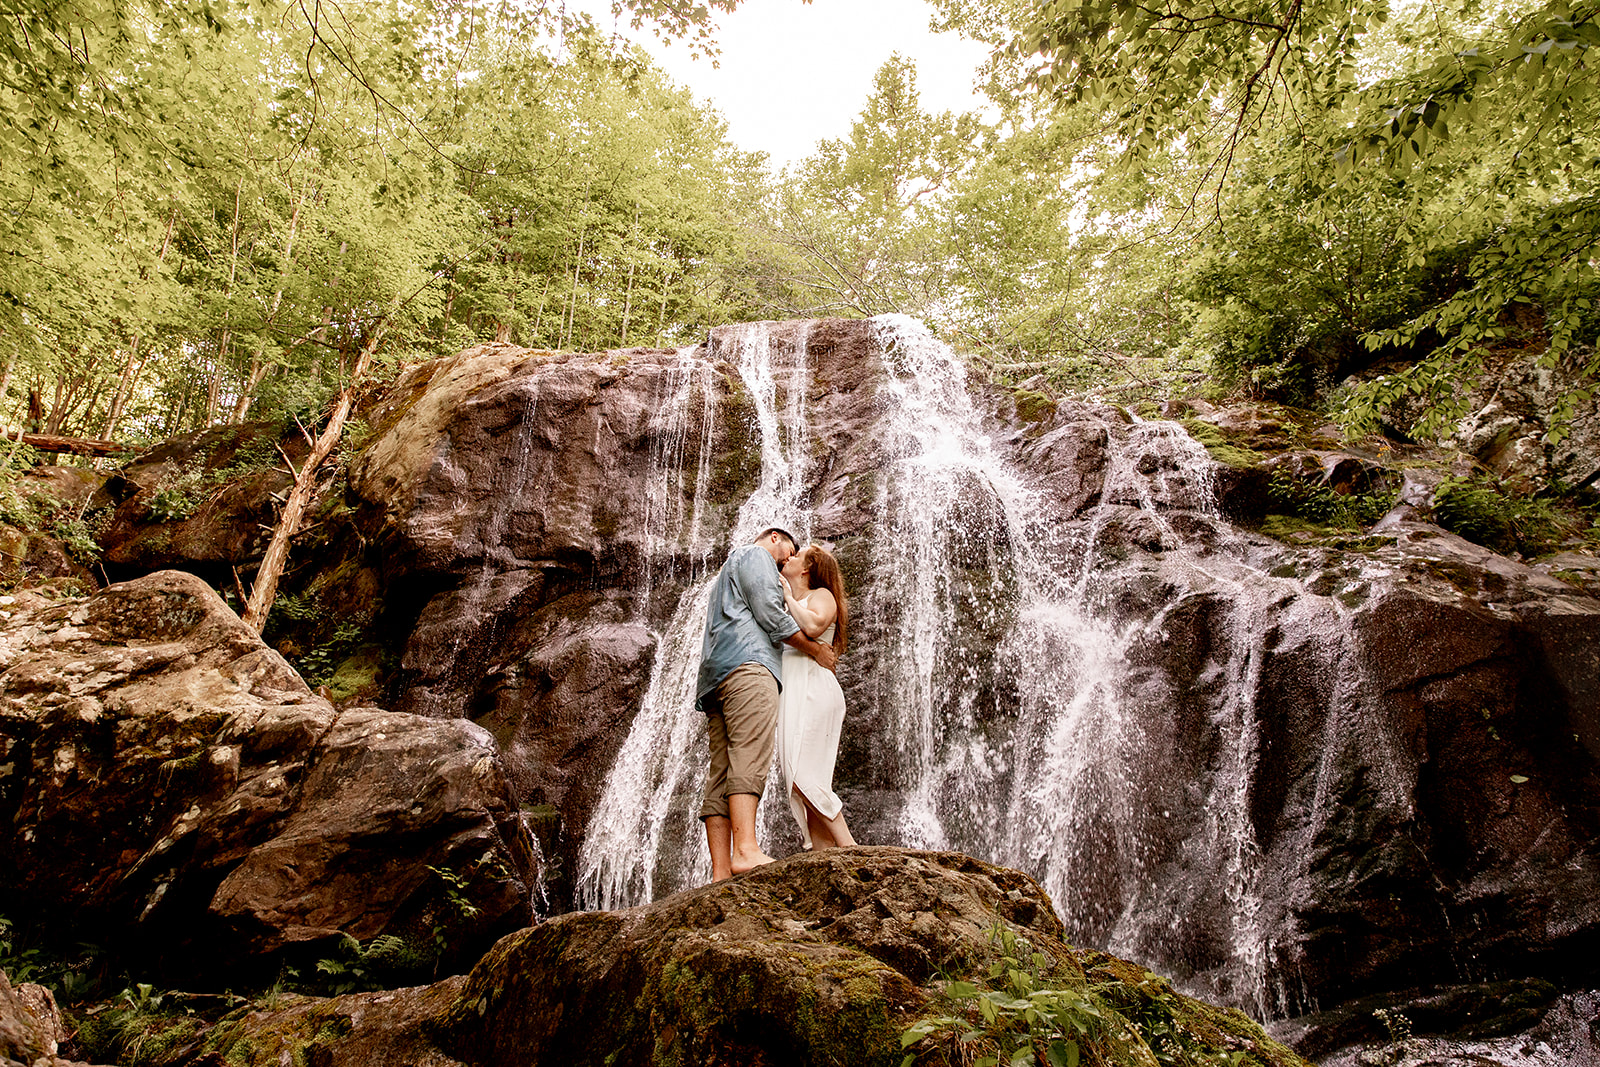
(822, 958)
(173, 792)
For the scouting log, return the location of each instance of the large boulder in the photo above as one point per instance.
(539, 516)
(172, 790)
(819, 959)
(204, 502)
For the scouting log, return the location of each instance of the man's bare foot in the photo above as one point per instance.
(749, 861)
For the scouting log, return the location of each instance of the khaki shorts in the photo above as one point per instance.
(742, 719)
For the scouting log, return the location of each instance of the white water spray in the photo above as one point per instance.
(645, 840)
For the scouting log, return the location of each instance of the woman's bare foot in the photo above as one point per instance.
(749, 861)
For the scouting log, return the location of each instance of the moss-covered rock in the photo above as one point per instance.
(822, 958)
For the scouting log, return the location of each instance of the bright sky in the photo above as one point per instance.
(792, 74)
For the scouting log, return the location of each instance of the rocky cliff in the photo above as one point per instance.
(1289, 770)
(174, 792)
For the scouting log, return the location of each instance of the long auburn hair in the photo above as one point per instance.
(823, 570)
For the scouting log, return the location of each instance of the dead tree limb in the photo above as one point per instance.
(78, 446)
(265, 588)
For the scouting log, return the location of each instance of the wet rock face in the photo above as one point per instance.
(174, 791)
(531, 504)
(1420, 783)
(1384, 700)
(818, 959)
(1404, 739)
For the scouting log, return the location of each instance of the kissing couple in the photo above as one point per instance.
(775, 628)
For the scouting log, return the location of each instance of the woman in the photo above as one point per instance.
(811, 708)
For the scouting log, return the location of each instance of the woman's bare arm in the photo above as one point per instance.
(814, 614)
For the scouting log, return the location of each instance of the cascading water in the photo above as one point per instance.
(1033, 755)
(644, 840)
(1002, 675)
(685, 406)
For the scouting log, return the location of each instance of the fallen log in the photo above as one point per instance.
(78, 446)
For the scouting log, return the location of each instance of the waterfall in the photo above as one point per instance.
(1034, 756)
(686, 405)
(1013, 723)
(645, 839)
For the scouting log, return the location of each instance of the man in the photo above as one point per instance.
(740, 678)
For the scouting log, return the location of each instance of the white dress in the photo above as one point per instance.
(810, 713)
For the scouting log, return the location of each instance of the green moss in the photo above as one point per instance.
(1033, 406)
(357, 675)
(1219, 447)
(133, 1037)
(737, 463)
(287, 1037)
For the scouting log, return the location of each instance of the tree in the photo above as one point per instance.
(1302, 129)
(866, 215)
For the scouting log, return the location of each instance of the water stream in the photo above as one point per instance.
(645, 840)
(1012, 714)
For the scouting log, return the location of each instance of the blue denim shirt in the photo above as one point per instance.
(746, 621)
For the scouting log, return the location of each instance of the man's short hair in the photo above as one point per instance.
(785, 534)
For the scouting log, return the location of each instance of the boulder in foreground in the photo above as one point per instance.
(821, 958)
(173, 791)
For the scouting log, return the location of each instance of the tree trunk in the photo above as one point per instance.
(627, 306)
(627, 299)
(449, 309)
(131, 369)
(265, 588)
(536, 337)
(661, 319)
(258, 365)
(5, 375)
(214, 387)
(78, 446)
(130, 372)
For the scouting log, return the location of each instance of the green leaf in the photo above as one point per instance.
(1062, 1054)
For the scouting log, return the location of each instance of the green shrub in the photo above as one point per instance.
(1304, 497)
(1032, 1010)
(1483, 513)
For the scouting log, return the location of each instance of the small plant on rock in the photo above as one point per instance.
(1308, 498)
(1033, 1010)
(179, 496)
(358, 967)
(1485, 514)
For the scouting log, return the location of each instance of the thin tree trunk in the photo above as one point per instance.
(449, 309)
(539, 318)
(572, 301)
(320, 334)
(627, 299)
(627, 306)
(258, 365)
(265, 588)
(5, 375)
(214, 387)
(70, 391)
(131, 369)
(577, 263)
(661, 319)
